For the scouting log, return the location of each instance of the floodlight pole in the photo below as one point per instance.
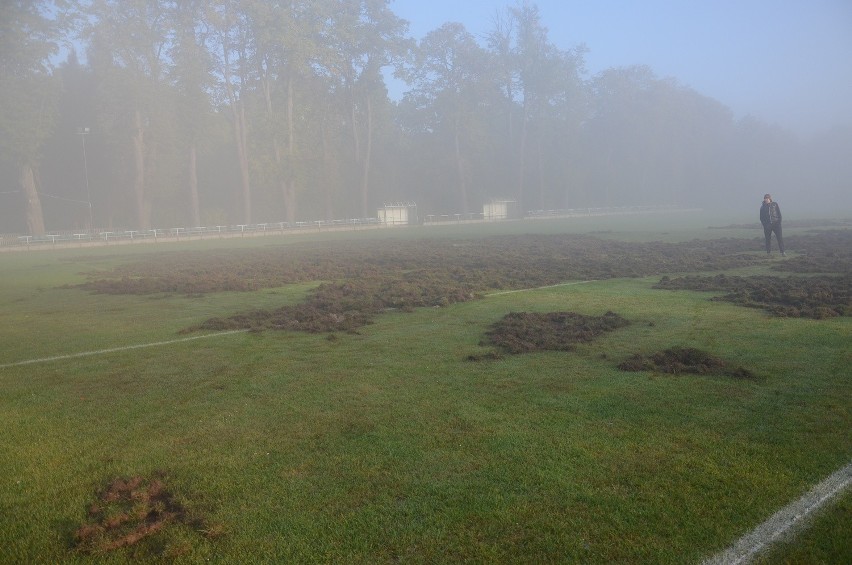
(83, 132)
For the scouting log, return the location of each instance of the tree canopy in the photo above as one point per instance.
(242, 111)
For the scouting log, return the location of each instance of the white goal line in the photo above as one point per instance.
(116, 349)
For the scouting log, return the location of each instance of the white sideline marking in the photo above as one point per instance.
(785, 519)
(539, 287)
(116, 349)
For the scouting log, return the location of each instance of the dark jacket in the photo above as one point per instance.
(770, 214)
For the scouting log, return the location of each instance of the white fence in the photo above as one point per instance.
(104, 237)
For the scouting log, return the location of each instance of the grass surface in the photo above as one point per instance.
(389, 445)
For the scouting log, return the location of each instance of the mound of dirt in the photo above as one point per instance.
(525, 332)
(679, 360)
(128, 511)
(815, 297)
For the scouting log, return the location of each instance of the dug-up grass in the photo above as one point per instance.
(385, 444)
(525, 332)
(684, 360)
(131, 512)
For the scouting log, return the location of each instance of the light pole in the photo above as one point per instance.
(83, 132)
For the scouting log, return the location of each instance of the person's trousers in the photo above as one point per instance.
(767, 232)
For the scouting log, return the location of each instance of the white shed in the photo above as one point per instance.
(500, 210)
(398, 214)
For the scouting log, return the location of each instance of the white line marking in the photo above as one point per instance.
(539, 288)
(784, 520)
(116, 349)
(170, 342)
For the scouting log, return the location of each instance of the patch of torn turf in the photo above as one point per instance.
(128, 511)
(349, 305)
(525, 332)
(678, 360)
(816, 297)
(366, 278)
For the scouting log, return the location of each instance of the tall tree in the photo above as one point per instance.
(528, 67)
(191, 76)
(559, 130)
(651, 140)
(363, 37)
(286, 48)
(614, 144)
(533, 54)
(500, 45)
(233, 43)
(449, 84)
(28, 93)
(65, 173)
(129, 41)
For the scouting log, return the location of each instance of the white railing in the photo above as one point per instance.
(80, 238)
(106, 237)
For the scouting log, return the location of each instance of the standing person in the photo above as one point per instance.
(770, 217)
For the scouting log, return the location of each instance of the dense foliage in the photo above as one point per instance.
(186, 113)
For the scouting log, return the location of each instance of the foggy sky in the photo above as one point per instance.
(787, 62)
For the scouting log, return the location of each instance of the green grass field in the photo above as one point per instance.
(389, 445)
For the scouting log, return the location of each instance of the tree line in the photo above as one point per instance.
(191, 112)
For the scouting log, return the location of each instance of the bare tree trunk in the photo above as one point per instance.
(284, 177)
(240, 137)
(540, 165)
(522, 152)
(510, 131)
(290, 181)
(143, 211)
(35, 216)
(195, 208)
(608, 178)
(365, 173)
(326, 159)
(356, 142)
(353, 120)
(460, 168)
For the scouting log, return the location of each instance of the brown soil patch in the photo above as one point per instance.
(788, 224)
(525, 332)
(490, 263)
(366, 278)
(828, 252)
(349, 305)
(815, 297)
(128, 511)
(679, 360)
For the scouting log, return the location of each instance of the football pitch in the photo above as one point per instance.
(602, 390)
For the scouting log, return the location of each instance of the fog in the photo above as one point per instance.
(133, 116)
